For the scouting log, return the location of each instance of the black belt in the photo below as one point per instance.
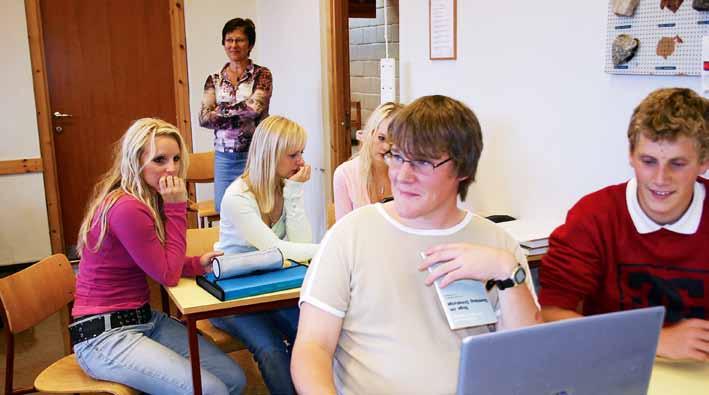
(91, 326)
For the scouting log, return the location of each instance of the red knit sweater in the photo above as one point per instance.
(597, 257)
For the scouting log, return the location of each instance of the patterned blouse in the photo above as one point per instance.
(234, 111)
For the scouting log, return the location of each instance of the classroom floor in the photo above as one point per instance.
(39, 347)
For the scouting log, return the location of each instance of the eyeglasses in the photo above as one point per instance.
(235, 40)
(419, 166)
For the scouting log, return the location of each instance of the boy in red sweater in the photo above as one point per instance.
(644, 242)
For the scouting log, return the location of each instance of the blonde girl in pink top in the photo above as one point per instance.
(135, 228)
(364, 179)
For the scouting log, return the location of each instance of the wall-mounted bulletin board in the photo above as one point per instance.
(664, 35)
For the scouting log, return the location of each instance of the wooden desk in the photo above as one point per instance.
(679, 378)
(197, 304)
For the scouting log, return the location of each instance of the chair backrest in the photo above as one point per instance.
(330, 215)
(201, 240)
(33, 294)
(201, 169)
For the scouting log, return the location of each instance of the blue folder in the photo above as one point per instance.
(255, 283)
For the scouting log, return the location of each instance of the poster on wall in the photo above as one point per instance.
(655, 37)
(442, 29)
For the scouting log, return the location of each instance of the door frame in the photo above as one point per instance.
(339, 70)
(43, 107)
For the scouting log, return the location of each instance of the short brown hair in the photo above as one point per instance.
(433, 126)
(245, 25)
(669, 113)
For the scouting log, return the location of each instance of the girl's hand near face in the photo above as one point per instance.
(302, 175)
(172, 189)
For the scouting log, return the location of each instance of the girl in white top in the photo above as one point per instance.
(265, 207)
(364, 179)
(262, 209)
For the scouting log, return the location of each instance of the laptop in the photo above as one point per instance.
(601, 354)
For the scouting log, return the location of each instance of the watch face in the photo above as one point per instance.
(520, 275)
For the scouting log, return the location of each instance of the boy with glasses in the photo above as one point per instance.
(370, 321)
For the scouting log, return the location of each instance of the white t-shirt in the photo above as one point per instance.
(241, 228)
(395, 338)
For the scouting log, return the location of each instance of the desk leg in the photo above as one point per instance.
(164, 300)
(194, 355)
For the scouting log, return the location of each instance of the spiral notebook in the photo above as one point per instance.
(255, 283)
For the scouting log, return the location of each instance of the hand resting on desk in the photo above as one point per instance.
(688, 339)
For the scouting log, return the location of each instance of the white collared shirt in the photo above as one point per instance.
(687, 224)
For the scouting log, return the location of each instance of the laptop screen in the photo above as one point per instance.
(601, 354)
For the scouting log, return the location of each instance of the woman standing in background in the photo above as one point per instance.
(234, 101)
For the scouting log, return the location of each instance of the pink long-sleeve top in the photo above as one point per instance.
(349, 190)
(114, 277)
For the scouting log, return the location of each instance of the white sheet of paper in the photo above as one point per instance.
(442, 29)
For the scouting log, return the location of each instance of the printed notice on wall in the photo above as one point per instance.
(442, 29)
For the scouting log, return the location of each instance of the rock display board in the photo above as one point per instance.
(670, 35)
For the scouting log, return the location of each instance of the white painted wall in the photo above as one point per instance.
(288, 42)
(24, 228)
(553, 122)
(290, 45)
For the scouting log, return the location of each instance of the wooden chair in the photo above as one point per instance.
(200, 241)
(29, 297)
(330, 215)
(201, 171)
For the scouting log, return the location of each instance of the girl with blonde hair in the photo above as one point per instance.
(364, 179)
(262, 209)
(135, 226)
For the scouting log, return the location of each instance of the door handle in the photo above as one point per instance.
(57, 114)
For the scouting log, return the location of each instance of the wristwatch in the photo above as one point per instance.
(518, 276)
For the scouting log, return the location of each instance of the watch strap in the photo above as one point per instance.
(506, 283)
(501, 284)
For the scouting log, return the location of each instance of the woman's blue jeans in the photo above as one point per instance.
(227, 167)
(269, 336)
(154, 358)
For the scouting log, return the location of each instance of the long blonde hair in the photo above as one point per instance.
(383, 112)
(125, 177)
(274, 137)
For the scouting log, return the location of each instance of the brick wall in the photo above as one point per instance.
(366, 48)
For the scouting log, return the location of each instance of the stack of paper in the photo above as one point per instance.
(533, 236)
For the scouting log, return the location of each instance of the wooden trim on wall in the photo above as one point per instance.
(20, 166)
(179, 69)
(340, 142)
(182, 89)
(44, 124)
